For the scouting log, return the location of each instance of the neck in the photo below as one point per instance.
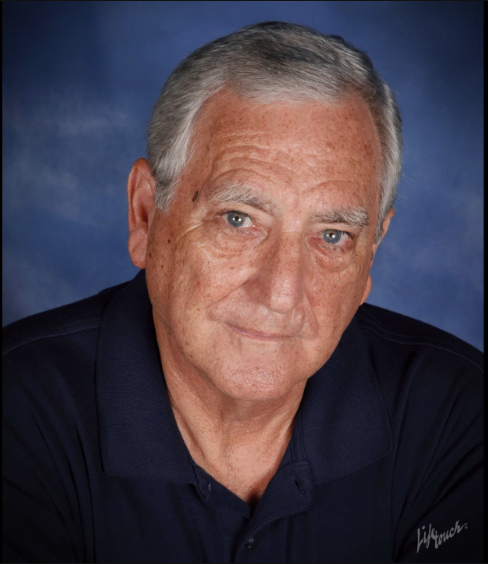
(239, 442)
(220, 426)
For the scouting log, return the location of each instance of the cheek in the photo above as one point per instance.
(164, 265)
(200, 275)
(158, 274)
(335, 295)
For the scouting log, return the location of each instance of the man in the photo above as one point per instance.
(237, 402)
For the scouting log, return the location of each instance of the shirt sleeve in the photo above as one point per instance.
(443, 518)
(39, 507)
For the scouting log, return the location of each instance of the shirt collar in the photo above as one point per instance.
(342, 425)
(139, 436)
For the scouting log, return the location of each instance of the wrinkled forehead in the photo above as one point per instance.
(226, 114)
(300, 143)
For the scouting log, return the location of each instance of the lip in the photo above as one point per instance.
(257, 335)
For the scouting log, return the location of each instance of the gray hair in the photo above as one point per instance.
(267, 62)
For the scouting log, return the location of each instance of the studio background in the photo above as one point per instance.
(79, 83)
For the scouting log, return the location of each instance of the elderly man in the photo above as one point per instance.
(237, 402)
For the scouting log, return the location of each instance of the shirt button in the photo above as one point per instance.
(249, 542)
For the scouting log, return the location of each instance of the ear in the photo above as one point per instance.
(141, 190)
(386, 224)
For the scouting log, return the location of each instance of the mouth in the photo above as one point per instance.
(258, 335)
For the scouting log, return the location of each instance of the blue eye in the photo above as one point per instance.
(332, 236)
(238, 219)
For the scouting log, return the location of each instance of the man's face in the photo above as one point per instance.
(261, 262)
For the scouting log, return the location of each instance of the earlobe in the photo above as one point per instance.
(141, 189)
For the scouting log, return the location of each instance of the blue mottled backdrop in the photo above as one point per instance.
(79, 82)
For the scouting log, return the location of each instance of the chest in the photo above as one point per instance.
(345, 521)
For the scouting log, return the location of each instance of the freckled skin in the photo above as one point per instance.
(277, 277)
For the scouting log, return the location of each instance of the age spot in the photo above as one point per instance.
(195, 196)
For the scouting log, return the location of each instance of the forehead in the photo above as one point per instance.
(304, 146)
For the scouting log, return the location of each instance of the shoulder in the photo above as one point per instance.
(54, 351)
(432, 386)
(71, 319)
(389, 330)
(49, 375)
(420, 367)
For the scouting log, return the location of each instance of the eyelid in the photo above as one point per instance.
(225, 212)
(338, 245)
(351, 234)
(246, 215)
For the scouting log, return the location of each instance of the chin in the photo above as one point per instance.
(257, 383)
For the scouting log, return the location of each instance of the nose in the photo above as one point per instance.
(278, 280)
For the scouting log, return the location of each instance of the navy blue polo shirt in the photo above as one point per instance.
(384, 463)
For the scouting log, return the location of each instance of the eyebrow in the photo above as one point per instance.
(243, 194)
(353, 217)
